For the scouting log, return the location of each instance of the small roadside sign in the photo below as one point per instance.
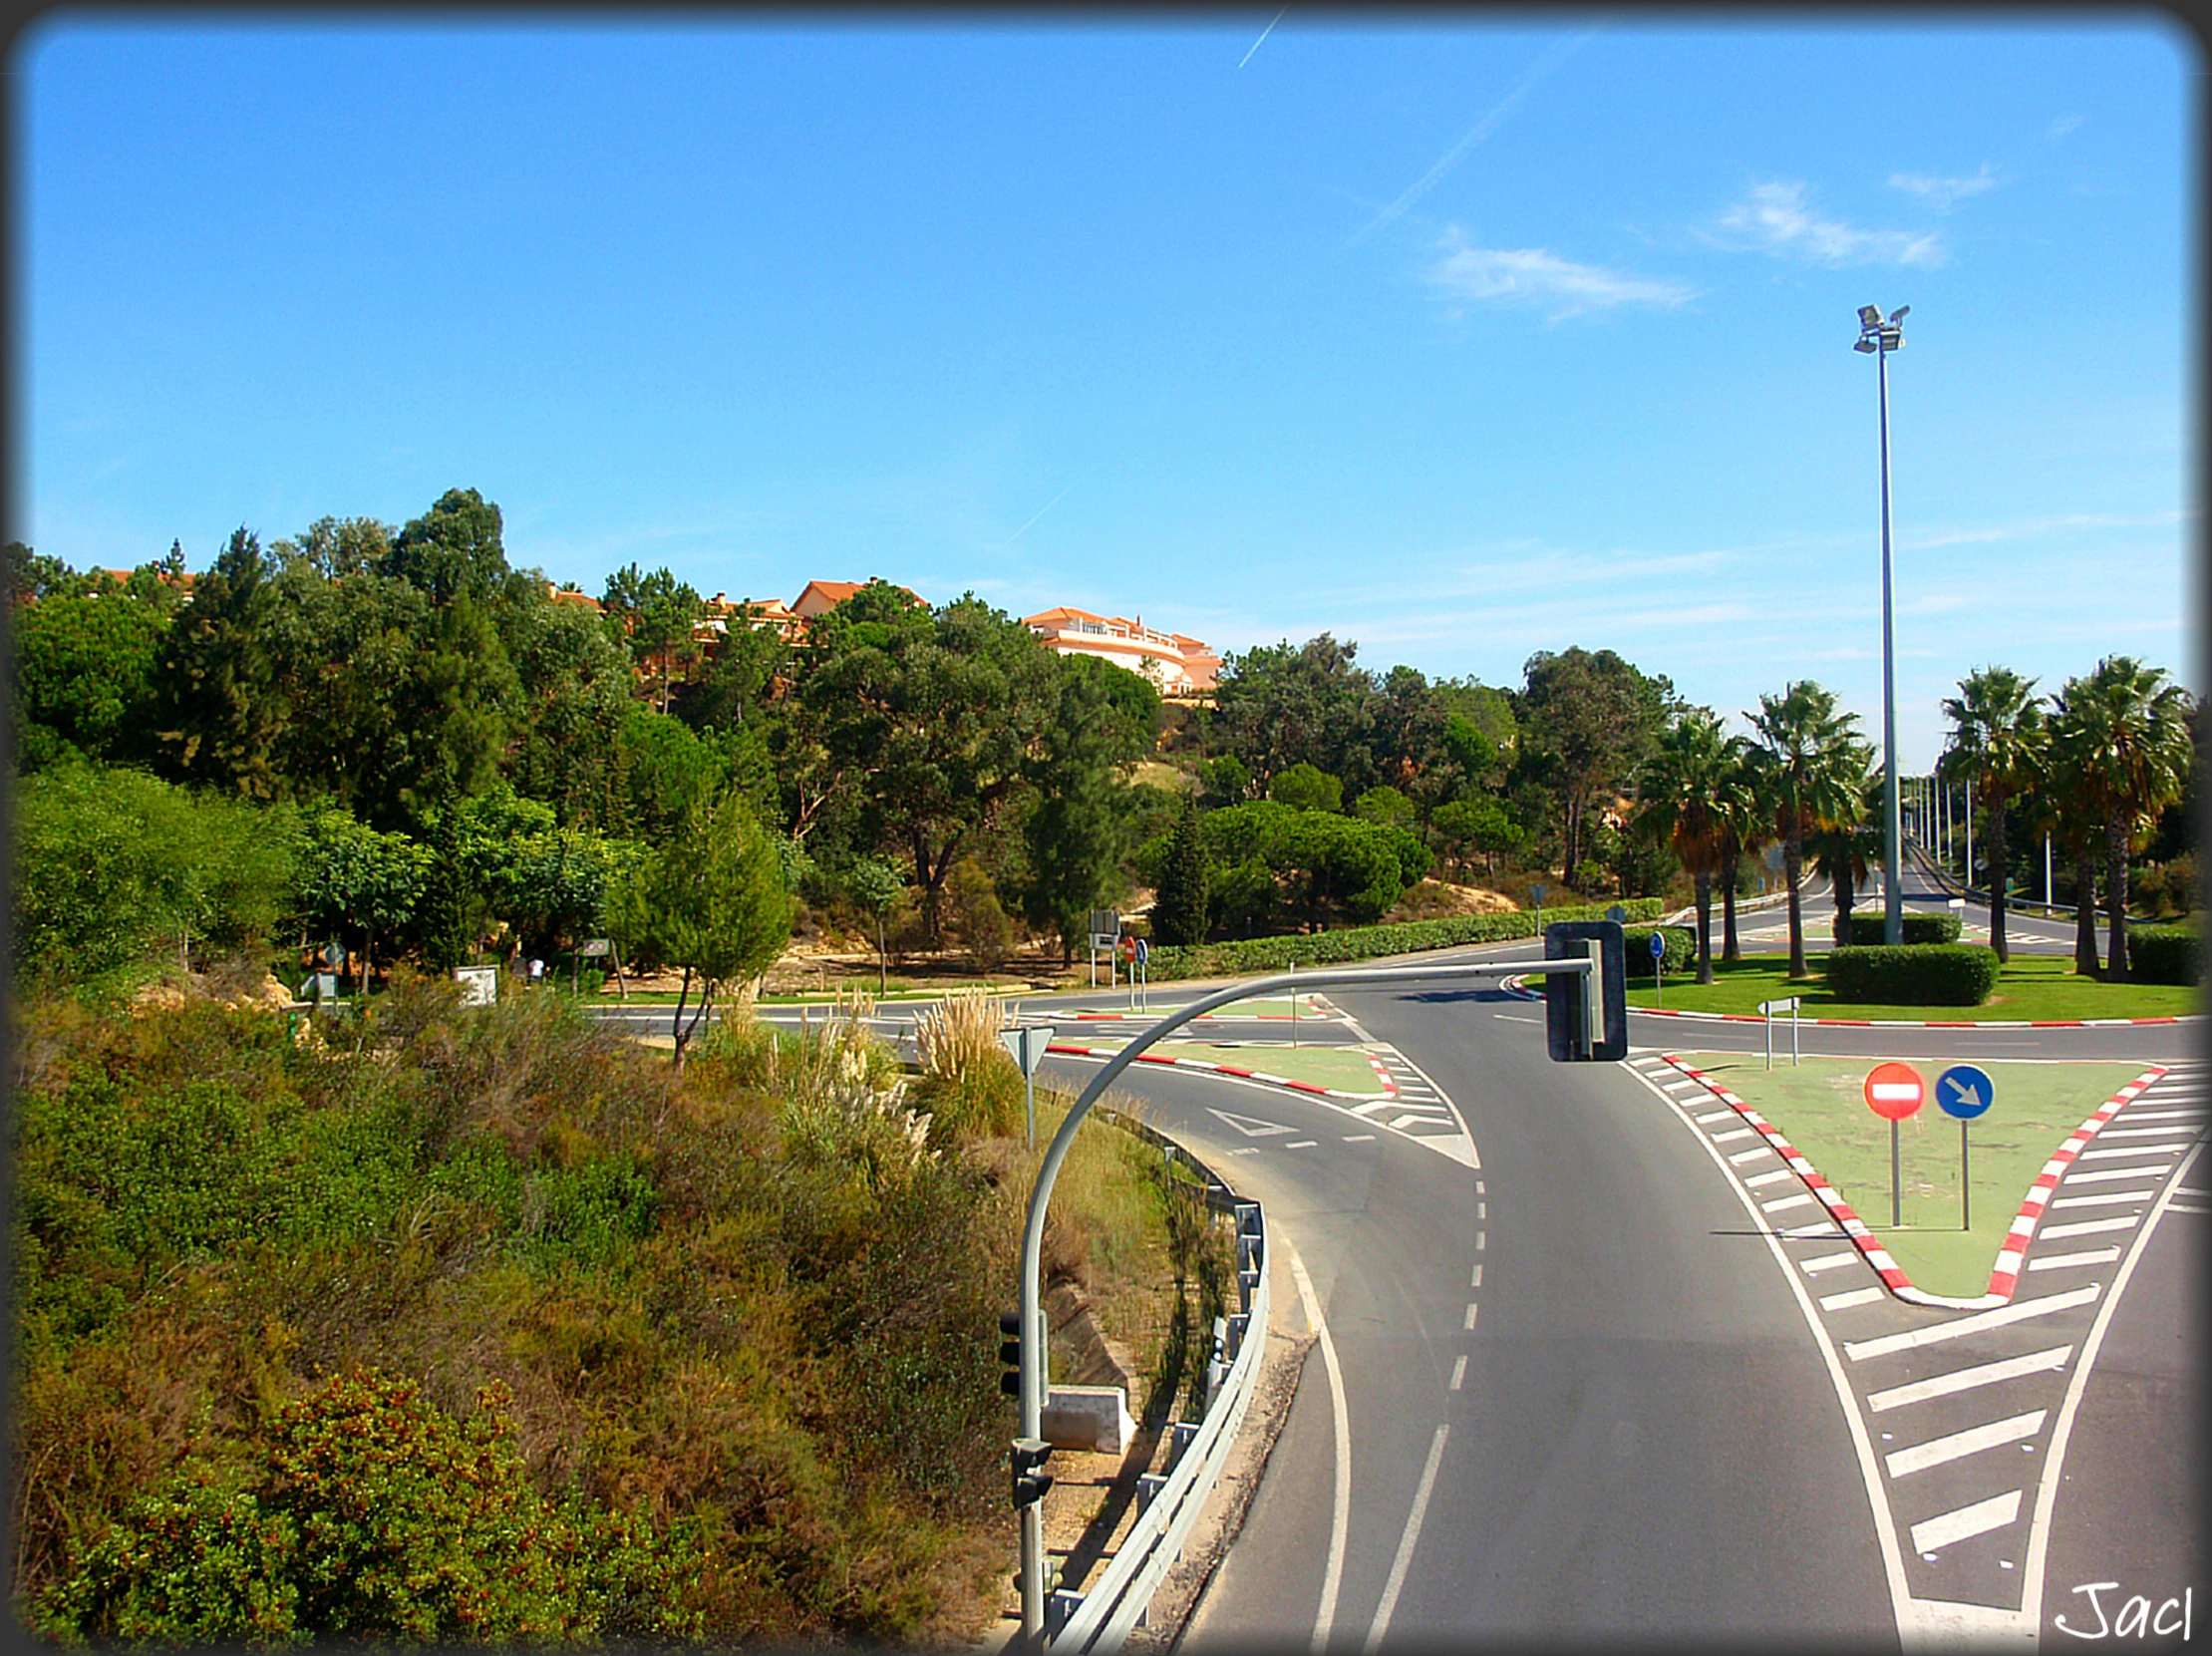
(593, 947)
(1659, 946)
(1964, 1092)
(1895, 1091)
(1027, 1042)
(1143, 951)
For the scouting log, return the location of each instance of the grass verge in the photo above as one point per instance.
(1819, 1105)
(2028, 987)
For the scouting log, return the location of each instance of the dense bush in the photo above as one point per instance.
(740, 1331)
(1274, 954)
(2166, 954)
(1929, 974)
(1919, 928)
(1636, 949)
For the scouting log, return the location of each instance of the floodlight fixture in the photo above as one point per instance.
(1898, 315)
(1870, 316)
(1864, 344)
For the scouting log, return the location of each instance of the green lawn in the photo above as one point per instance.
(1341, 1069)
(1819, 1107)
(2030, 986)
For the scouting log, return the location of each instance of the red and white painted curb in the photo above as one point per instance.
(2005, 1273)
(1519, 986)
(1389, 1087)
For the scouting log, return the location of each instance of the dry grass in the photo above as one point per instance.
(960, 1035)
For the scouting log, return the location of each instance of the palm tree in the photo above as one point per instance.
(2132, 747)
(1811, 766)
(2071, 812)
(1745, 827)
(1997, 745)
(1681, 786)
(1846, 850)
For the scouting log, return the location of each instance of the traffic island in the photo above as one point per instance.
(1819, 1105)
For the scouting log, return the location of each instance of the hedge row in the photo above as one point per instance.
(1636, 947)
(1334, 948)
(1920, 928)
(1913, 974)
(2164, 954)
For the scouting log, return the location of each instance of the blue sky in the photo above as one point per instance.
(1459, 336)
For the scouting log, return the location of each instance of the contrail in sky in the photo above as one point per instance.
(1554, 54)
(1264, 33)
(1041, 511)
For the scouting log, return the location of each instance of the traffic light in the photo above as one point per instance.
(1586, 1016)
(1031, 1480)
(1009, 1352)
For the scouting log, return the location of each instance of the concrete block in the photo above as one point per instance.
(1094, 1418)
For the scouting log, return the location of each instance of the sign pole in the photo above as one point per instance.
(1965, 1189)
(1896, 1194)
(1293, 971)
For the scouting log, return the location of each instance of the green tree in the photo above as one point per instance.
(1303, 788)
(657, 612)
(708, 898)
(1586, 722)
(84, 672)
(934, 716)
(355, 877)
(1997, 745)
(1680, 787)
(1469, 825)
(1179, 910)
(1082, 821)
(112, 867)
(2131, 750)
(1276, 705)
(220, 710)
(874, 886)
(1811, 766)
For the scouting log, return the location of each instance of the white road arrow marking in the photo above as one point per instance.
(1249, 1126)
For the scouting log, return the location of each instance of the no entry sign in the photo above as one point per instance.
(1895, 1091)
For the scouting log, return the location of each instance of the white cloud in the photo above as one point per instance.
(1941, 191)
(1530, 275)
(1774, 218)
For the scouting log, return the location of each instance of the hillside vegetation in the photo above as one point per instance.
(445, 1324)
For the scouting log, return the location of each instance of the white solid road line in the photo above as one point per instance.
(2084, 1227)
(1850, 1297)
(2104, 1201)
(2063, 1261)
(1959, 1326)
(1340, 1413)
(1405, 1558)
(1830, 1261)
(1955, 1446)
(2108, 1174)
(1964, 1380)
(1956, 1525)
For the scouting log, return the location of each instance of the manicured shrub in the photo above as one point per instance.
(1925, 974)
(1636, 949)
(1919, 928)
(1326, 948)
(2166, 954)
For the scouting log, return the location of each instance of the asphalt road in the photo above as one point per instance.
(1579, 1382)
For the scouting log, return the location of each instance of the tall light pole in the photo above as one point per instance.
(1881, 338)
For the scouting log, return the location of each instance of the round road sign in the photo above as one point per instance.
(1964, 1092)
(1659, 944)
(1895, 1091)
(1128, 948)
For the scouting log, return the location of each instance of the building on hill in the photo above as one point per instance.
(821, 597)
(1182, 667)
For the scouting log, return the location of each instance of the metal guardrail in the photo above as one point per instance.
(1101, 1617)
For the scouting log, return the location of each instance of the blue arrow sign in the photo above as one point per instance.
(1964, 1092)
(1659, 946)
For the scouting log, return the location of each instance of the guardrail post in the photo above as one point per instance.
(1180, 1435)
(1059, 1609)
(1148, 1485)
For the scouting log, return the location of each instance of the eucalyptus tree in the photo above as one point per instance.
(1683, 785)
(1997, 746)
(2130, 752)
(1812, 765)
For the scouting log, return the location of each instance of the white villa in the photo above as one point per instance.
(1181, 666)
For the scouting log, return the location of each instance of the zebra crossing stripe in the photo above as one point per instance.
(1964, 1523)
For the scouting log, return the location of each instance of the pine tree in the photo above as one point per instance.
(1180, 913)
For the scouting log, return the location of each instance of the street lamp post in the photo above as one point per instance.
(1881, 338)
